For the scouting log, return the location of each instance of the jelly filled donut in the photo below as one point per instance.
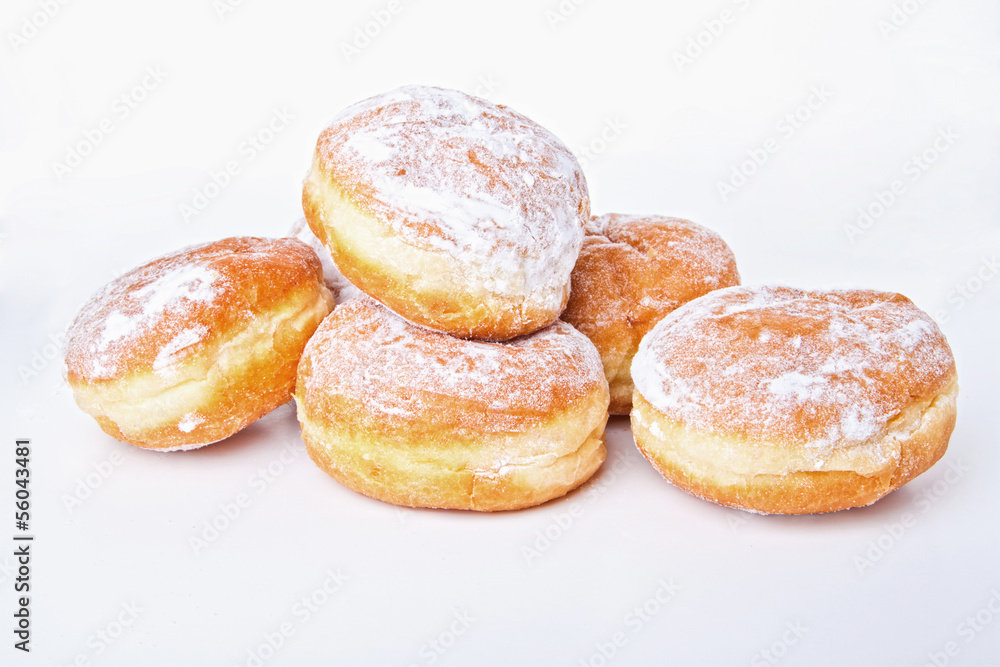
(779, 400)
(632, 271)
(458, 214)
(192, 347)
(419, 418)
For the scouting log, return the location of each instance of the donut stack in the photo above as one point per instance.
(449, 382)
(456, 233)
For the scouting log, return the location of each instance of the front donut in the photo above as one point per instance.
(784, 401)
(422, 419)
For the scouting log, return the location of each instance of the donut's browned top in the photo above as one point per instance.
(155, 314)
(634, 269)
(363, 358)
(458, 174)
(822, 368)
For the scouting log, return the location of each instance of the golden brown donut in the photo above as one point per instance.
(632, 271)
(423, 419)
(458, 214)
(192, 347)
(785, 401)
(339, 286)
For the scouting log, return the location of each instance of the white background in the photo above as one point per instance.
(859, 586)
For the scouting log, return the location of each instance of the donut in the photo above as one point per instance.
(339, 286)
(192, 347)
(632, 271)
(418, 418)
(785, 401)
(458, 214)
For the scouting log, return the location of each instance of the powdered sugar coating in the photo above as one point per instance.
(157, 314)
(364, 355)
(335, 281)
(457, 174)
(634, 269)
(126, 309)
(823, 369)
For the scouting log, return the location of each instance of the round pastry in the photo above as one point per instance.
(419, 418)
(784, 401)
(458, 214)
(192, 347)
(632, 271)
(339, 286)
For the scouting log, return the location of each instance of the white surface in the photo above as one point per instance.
(670, 136)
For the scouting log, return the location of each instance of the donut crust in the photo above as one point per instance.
(194, 346)
(422, 206)
(632, 271)
(668, 446)
(421, 419)
(785, 401)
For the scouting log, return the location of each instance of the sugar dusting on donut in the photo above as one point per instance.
(700, 252)
(339, 285)
(824, 369)
(637, 268)
(155, 314)
(127, 308)
(459, 174)
(403, 372)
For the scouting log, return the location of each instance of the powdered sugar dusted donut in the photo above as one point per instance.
(420, 418)
(339, 286)
(458, 214)
(632, 271)
(191, 347)
(780, 400)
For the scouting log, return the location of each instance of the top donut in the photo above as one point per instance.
(458, 214)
